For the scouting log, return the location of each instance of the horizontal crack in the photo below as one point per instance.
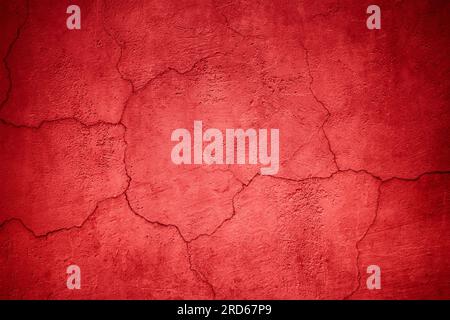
(234, 210)
(60, 120)
(134, 91)
(51, 232)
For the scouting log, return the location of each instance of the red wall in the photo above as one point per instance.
(86, 176)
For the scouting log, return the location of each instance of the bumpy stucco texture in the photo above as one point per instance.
(86, 118)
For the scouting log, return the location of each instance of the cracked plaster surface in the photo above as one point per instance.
(85, 123)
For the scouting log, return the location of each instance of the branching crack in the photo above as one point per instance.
(328, 113)
(244, 186)
(377, 208)
(358, 251)
(52, 232)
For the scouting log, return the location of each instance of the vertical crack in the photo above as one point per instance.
(328, 113)
(8, 53)
(358, 255)
(197, 273)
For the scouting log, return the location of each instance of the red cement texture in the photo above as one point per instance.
(86, 176)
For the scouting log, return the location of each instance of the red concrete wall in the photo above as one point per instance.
(86, 175)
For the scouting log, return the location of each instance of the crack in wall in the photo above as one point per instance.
(377, 208)
(121, 47)
(227, 22)
(381, 183)
(197, 273)
(60, 120)
(328, 113)
(244, 186)
(162, 73)
(8, 53)
(52, 232)
(133, 92)
(358, 251)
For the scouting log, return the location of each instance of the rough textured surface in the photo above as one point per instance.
(55, 175)
(289, 239)
(57, 73)
(412, 221)
(86, 175)
(121, 256)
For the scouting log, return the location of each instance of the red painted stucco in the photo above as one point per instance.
(86, 176)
